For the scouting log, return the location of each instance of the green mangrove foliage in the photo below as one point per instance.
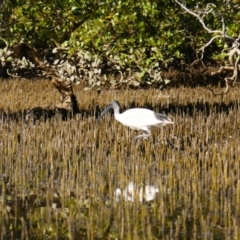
(134, 34)
(119, 24)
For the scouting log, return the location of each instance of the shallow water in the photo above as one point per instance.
(58, 178)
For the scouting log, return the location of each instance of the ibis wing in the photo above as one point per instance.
(137, 118)
(164, 119)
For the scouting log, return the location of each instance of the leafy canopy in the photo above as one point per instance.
(139, 33)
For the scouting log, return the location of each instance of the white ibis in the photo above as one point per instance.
(131, 193)
(138, 118)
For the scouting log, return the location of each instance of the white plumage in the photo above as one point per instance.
(137, 118)
(131, 193)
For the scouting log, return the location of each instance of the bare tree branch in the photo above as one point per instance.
(200, 16)
(220, 93)
(206, 12)
(235, 51)
(7, 45)
(234, 67)
(202, 49)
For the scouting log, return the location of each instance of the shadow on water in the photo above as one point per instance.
(189, 109)
(205, 108)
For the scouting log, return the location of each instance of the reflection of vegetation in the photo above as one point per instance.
(58, 178)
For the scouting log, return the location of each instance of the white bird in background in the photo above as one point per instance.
(131, 192)
(138, 118)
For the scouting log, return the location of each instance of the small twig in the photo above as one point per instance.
(12, 75)
(209, 42)
(234, 67)
(7, 45)
(220, 34)
(200, 18)
(220, 93)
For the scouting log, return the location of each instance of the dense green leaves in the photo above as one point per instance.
(137, 32)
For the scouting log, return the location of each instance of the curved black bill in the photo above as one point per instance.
(105, 111)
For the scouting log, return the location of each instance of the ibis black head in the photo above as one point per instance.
(112, 105)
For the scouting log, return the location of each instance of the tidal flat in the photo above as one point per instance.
(58, 178)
